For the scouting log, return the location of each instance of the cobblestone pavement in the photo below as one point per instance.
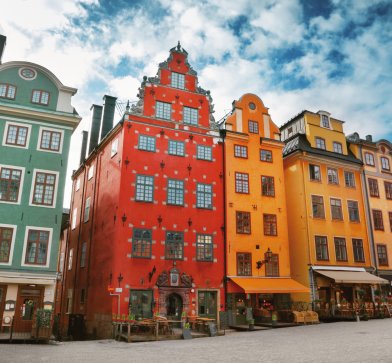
(368, 341)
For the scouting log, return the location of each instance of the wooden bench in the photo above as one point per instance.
(299, 317)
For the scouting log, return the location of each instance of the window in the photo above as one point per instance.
(204, 152)
(332, 176)
(270, 225)
(176, 148)
(353, 212)
(244, 264)
(358, 250)
(266, 155)
(242, 183)
(190, 116)
(146, 143)
(175, 192)
(369, 159)
(70, 259)
(163, 110)
(44, 189)
(174, 246)
(321, 248)
(373, 187)
(253, 127)
(77, 185)
(267, 186)
(382, 255)
(178, 80)
(377, 220)
(340, 249)
(204, 247)
(10, 181)
(7, 91)
(50, 140)
(272, 267)
(82, 296)
(240, 151)
(141, 243)
(5, 243)
(207, 303)
(141, 303)
(325, 121)
(318, 206)
(388, 190)
(114, 147)
(243, 222)
(87, 210)
(314, 172)
(336, 209)
(74, 214)
(37, 247)
(144, 188)
(204, 196)
(17, 135)
(390, 220)
(40, 97)
(349, 179)
(90, 172)
(337, 147)
(385, 163)
(83, 255)
(320, 143)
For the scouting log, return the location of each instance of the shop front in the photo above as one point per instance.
(260, 299)
(346, 292)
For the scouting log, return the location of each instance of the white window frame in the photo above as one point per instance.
(87, 207)
(114, 147)
(22, 169)
(31, 204)
(74, 216)
(28, 228)
(70, 259)
(14, 230)
(17, 124)
(77, 184)
(41, 130)
(327, 115)
(90, 172)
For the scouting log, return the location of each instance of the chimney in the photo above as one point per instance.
(84, 147)
(369, 138)
(3, 40)
(95, 125)
(108, 115)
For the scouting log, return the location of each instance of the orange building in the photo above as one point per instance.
(377, 159)
(329, 245)
(257, 250)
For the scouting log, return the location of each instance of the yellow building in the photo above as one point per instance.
(329, 245)
(257, 250)
(377, 159)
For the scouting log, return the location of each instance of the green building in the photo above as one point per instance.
(36, 124)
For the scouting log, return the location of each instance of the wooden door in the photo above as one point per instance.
(29, 300)
(3, 294)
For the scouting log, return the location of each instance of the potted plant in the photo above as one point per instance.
(251, 323)
(43, 323)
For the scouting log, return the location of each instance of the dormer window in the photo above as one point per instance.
(178, 80)
(40, 97)
(7, 91)
(337, 147)
(320, 143)
(324, 119)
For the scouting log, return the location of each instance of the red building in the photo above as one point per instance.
(147, 208)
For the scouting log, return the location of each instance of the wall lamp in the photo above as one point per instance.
(268, 257)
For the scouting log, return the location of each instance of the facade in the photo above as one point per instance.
(36, 123)
(377, 159)
(257, 243)
(329, 244)
(147, 220)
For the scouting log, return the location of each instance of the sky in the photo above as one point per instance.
(316, 55)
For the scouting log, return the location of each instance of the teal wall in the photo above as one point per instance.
(25, 88)
(22, 214)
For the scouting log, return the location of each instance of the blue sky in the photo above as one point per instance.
(329, 54)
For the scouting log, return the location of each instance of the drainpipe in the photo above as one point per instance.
(224, 222)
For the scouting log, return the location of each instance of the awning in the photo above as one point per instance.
(352, 277)
(269, 285)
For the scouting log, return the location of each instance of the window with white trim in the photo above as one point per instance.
(114, 147)
(37, 247)
(6, 237)
(50, 140)
(332, 176)
(40, 97)
(87, 210)
(44, 189)
(337, 147)
(349, 179)
(74, 215)
(10, 183)
(90, 172)
(7, 91)
(17, 135)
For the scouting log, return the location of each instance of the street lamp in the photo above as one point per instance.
(268, 257)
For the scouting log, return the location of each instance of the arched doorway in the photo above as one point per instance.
(174, 306)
